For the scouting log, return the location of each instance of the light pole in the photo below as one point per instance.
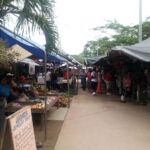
(140, 39)
(140, 20)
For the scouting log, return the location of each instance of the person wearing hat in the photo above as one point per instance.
(10, 78)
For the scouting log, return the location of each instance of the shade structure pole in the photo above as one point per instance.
(45, 96)
(140, 21)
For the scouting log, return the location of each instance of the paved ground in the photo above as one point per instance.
(53, 129)
(103, 123)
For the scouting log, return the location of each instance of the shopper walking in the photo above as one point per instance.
(94, 81)
(83, 79)
(89, 80)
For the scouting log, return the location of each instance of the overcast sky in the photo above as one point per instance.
(75, 19)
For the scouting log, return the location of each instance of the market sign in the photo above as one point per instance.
(19, 131)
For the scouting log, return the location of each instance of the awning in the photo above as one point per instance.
(62, 59)
(19, 52)
(100, 59)
(89, 61)
(94, 60)
(10, 39)
(139, 51)
(29, 61)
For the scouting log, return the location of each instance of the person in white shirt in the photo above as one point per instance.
(48, 79)
(94, 81)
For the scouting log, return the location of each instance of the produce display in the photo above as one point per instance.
(63, 101)
(38, 106)
(33, 106)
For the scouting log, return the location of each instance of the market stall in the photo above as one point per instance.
(133, 60)
(37, 106)
(34, 49)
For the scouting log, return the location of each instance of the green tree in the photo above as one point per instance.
(116, 34)
(87, 49)
(32, 15)
(79, 58)
(145, 28)
(122, 35)
(97, 47)
(6, 59)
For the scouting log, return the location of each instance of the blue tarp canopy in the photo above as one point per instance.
(10, 39)
(62, 59)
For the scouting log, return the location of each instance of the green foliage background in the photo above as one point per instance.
(31, 15)
(116, 34)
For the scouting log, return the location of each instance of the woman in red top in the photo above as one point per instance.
(67, 74)
(108, 80)
(22, 79)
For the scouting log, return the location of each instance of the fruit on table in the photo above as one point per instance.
(63, 101)
(38, 106)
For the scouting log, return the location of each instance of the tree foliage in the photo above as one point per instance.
(116, 34)
(79, 58)
(32, 15)
(6, 59)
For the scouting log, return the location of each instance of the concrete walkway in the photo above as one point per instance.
(103, 123)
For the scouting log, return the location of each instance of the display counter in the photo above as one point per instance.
(36, 107)
(64, 81)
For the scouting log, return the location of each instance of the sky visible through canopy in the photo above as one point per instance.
(75, 19)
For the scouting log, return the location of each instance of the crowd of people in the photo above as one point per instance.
(128, 85)
(92, 79)
(14, 87)
(55, 78)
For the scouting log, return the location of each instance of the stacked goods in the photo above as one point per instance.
(38, 106)
(63, 101)
(51, 99)
(20, 105)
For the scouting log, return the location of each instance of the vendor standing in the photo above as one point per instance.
(143, 84)
(5, 88)
(127, 83)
